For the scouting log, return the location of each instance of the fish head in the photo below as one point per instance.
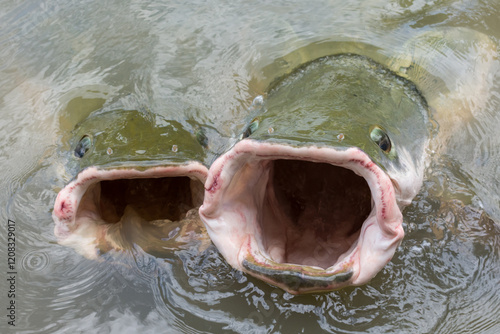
(133, 170)
(310, 199)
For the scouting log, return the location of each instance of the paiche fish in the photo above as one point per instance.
(311, 198)
(140, 181)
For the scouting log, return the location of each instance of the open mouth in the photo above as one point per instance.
(305, 219)
(86, 209)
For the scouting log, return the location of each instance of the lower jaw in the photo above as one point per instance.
(297, 279)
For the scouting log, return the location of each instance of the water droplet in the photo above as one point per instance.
(270, 130)
(174, 148)
(340, 136)
(258, 101)
(35, 261)
(109, 151)
(140, 151)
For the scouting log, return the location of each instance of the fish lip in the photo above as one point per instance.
(68, 199)
(380, 235)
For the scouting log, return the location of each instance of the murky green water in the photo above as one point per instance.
(202, 61)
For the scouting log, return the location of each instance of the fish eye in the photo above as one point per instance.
(83, 146)
(252, 127)
(201, 137)
(380, 137)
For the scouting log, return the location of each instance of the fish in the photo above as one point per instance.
(139, 182)
(311, 198)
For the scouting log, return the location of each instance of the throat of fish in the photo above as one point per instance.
(140, 211)
(310, 213)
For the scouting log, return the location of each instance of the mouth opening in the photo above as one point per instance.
(302, 218)
(113, 209)
(152, 198)
(313, 212)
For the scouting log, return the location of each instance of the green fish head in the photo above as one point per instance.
(346, 101)
(135, 172)
(310, 199)
(118, 138)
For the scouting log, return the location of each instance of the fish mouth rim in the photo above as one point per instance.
(384, 223)
(68, 199)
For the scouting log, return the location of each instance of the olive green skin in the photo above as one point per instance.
(129, 138)
(336, 101)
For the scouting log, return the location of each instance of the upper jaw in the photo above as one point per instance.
(239, 196)
(77, 211)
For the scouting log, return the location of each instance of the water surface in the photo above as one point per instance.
(205, 62)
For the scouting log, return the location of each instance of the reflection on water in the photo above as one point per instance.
(205, 62)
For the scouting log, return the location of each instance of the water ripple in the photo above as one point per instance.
(35, 261)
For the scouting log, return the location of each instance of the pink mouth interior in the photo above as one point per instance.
(103, 209)
(310, 213)
(315, 210)
(302, 218)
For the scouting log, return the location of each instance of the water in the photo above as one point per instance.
(202, 61)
